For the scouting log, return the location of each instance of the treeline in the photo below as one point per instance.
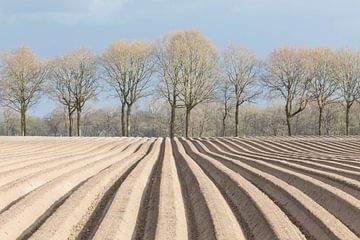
(188, 88)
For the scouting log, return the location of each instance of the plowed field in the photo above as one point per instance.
(155, 188)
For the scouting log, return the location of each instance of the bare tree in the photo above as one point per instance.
(55, 121)
(85, 81)
(226, 98)
(128, 68)
(287, 74)
(347, 73)
(9, 122)
(323, 85)
(73, 83)
(169, 67)
(199, 71)
(204, 119)
(60, 88)
(114, 73)
(329, 118)
(22, 78)
(241, 68)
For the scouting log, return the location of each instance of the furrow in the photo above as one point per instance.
(83, 222)
(24, 213)
(312, 219)
(340, 204)
(43, 157)
(225, 223)
(24, 185)
(15, 175)
(147, 218)
(303, 156)
(349, 185)
(263, 218)
(171, 223)
(199, 222)
(120, 219)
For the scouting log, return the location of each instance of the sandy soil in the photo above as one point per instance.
(300, 187)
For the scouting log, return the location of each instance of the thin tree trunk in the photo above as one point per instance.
(275, 132)
(128, 120)
(172, 120)
(78, 122)
(224, 123)
(201, 130)
(224, 119)
(7, 126)
(122, 119)
(70, 122)
(66, 120)
(23, 121)
(223, 126)
(320, 120)
(347, 113)
(187, 122)
(288, 122)
(237, 118)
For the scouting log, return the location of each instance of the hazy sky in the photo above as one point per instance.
(52, 28)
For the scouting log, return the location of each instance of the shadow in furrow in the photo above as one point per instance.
(146, 222)
(101, 209)
(307, 223)
(27, 233)
(246, 212)
(199, 222)
(341, 209)
(344, 186)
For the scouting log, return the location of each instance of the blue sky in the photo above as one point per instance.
(52, 28)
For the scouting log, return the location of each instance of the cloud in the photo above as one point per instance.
(77, 12)
(62, 11)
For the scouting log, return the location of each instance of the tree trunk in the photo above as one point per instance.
(224, 122)
(123, 119)
(288, 122)
(320, 120)
(187, 122)
(128, 120)
(347, 113)
(7, 126)
(70, 122)
(23, 121)
(223, 126)
(78, 122)
(237, 118)
(172, 120)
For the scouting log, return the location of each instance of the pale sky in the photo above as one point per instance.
(52, 27)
